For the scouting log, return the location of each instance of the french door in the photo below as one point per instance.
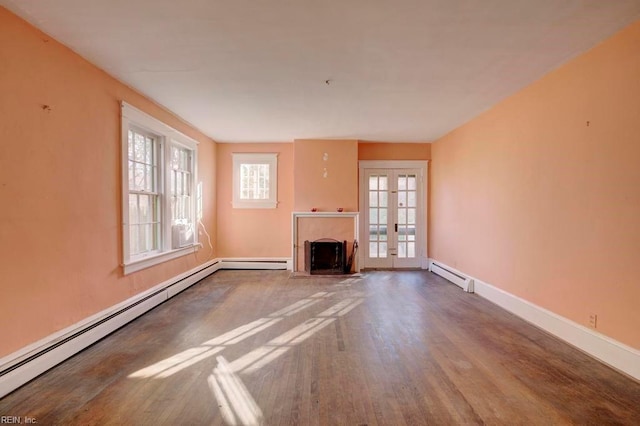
(393, 217)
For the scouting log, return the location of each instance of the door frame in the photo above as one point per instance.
(423, 166)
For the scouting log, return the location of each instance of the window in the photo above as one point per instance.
(255, 183)
(158, 186)
(144, 198)
(181, 185)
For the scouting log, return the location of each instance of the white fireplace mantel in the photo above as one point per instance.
(294, 229)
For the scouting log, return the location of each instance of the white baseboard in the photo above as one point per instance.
(425, 263)
(611, 352)
(29, 362)
(255, 263)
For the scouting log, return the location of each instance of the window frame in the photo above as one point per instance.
(134, 119)
(268, 158)
(188, 172)
(154, 193)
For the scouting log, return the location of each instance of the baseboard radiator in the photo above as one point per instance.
(28, 363)
(255, 263)
(456, 277)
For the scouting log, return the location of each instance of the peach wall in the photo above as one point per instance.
(393, 151)
(255, 232)
(339, 188)
(60, 232)
(540, 195)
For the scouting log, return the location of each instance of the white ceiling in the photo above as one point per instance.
(255, 70)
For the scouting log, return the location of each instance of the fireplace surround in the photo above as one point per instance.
(313, 226)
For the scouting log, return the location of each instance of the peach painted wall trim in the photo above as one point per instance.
(540, 195)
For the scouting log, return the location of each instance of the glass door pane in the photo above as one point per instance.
(406, 218)
(378, 212)
(377, 219)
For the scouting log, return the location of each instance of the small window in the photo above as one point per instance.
(255, 181)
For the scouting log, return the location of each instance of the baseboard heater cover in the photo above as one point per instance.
(255, 263)
(456, 277)
(27, 366)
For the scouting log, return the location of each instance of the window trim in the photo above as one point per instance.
(167, 136)
(269, 158)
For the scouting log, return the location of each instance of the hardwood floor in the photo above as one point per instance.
(389, 348)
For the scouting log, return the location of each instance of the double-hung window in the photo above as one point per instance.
(144, 192)
(181, 185)
(159, 178)
(255, 180)
(181, 189)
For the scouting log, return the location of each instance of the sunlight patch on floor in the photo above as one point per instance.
(236, 404)
(278, 346)
(239, 334)
(187, 358)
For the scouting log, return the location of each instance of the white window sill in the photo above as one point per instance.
(255, 204)
(156, 259)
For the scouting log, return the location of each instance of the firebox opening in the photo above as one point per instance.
(325, 257)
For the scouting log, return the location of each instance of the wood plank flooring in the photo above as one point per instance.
(388, 348)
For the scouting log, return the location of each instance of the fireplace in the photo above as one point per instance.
(316, 226)
(325, 257)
